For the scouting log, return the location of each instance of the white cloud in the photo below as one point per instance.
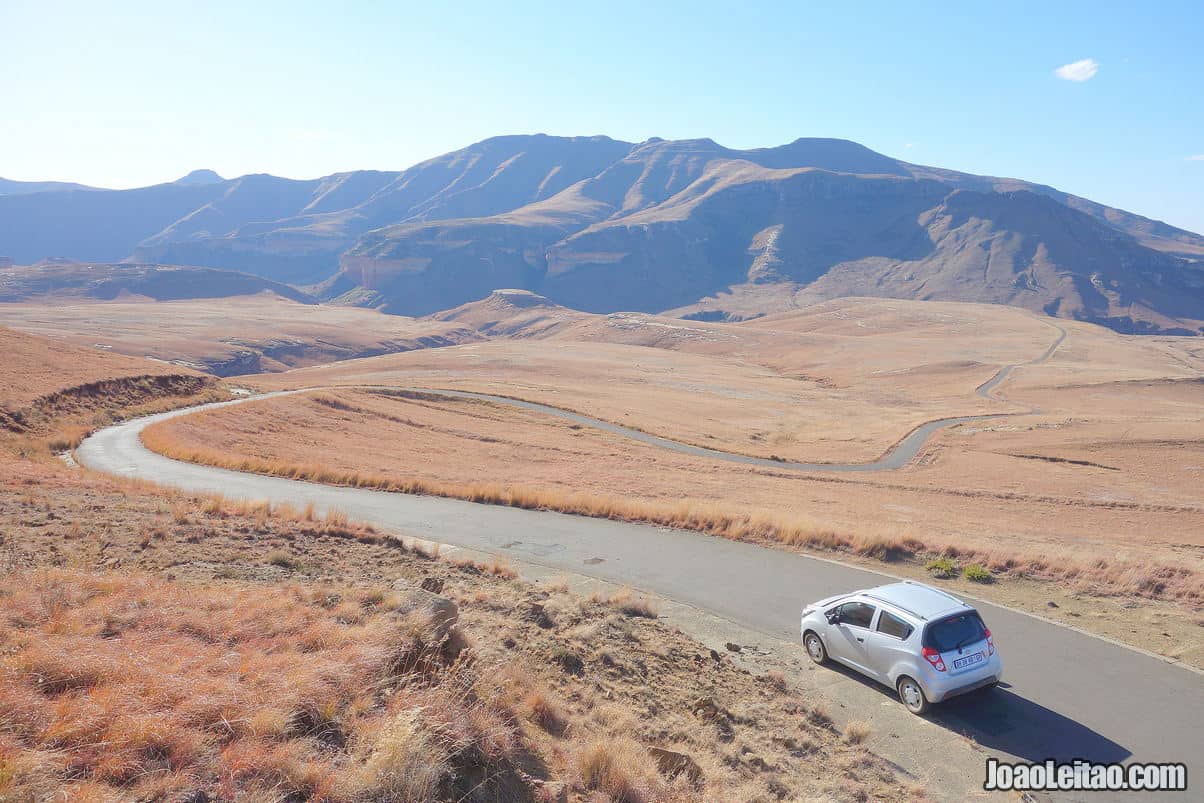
(1199, 157)
(909, 146)
(1078, 71)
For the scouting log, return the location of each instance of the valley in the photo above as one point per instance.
(232, 336)
(1044, 495)
(124, 601)
(646, 403)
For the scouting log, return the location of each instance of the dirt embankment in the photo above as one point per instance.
(103, 396)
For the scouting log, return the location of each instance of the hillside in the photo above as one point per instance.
(54, 387)
(37, 367)
(57, 282)
(243, 334)
(602, 225)
(11, 187)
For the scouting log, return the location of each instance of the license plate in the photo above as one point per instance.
(969, 660)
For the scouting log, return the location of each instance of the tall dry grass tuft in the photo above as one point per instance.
(545, 712)
(336, 518)
(406, 763)
(67, 438)
(620, 768)
(856, 732)
(626, 602)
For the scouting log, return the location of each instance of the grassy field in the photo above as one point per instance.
(840, 382)
(53, 393)
(1090, 486)
(37, 368)
(161, 646)
(231, 335)
(158, 646)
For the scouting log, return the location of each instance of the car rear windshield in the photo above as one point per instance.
(959, 630)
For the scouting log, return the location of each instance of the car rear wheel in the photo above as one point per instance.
(815, 648)
(912, 696)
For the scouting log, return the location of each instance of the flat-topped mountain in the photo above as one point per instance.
(601, 225)
(200, 177)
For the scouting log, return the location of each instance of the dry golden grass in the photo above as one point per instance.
(626, 602)
(777, 680)
(155, 689)
(35, 367)
(1109, 576)
(1118, 431)
(53, 394)
(856, 732)
(244, 628)
(1055, 497)
(840, 382)
(620, 768)
(543, 710)
(281, 333)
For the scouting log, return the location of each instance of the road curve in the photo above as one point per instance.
(1071, 695)
(896, 457)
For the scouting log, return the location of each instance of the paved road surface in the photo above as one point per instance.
(1070, 696)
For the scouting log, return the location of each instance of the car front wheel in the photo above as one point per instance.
(815, 648)
(912, 696)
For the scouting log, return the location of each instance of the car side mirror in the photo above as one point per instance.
(834, 618)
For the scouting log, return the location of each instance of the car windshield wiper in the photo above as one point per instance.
(966, 640)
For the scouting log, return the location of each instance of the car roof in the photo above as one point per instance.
(918, 599)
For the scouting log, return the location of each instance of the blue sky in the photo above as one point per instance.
(126, 94)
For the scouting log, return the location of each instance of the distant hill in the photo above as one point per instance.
(200, 177)
(10, 187)
(512, 313)
(602, 225)
(105, 282)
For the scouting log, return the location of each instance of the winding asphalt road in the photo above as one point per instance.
(1069, 695)
(896, 457)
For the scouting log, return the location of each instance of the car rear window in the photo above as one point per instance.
(960, 629)
(892, 625)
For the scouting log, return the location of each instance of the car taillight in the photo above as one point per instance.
(986, 631)
(934, 658)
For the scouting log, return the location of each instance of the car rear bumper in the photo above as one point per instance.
(942, 688)
(969, 687)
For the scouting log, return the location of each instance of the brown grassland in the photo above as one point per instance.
(36, 369)
(1089, 491)
(160, 646)
(261, 332)
(53, 393)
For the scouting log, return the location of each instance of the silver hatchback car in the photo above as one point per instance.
(923, 643)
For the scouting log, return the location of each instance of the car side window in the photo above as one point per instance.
(857, 614)
(892, 625)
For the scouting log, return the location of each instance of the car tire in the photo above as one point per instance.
(911, 694)
(815, 648)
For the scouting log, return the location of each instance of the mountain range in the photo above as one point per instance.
(601, 225)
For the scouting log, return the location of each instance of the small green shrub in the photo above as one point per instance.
(943, 568)
(978, 573)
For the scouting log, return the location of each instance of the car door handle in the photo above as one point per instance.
(859, 638)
